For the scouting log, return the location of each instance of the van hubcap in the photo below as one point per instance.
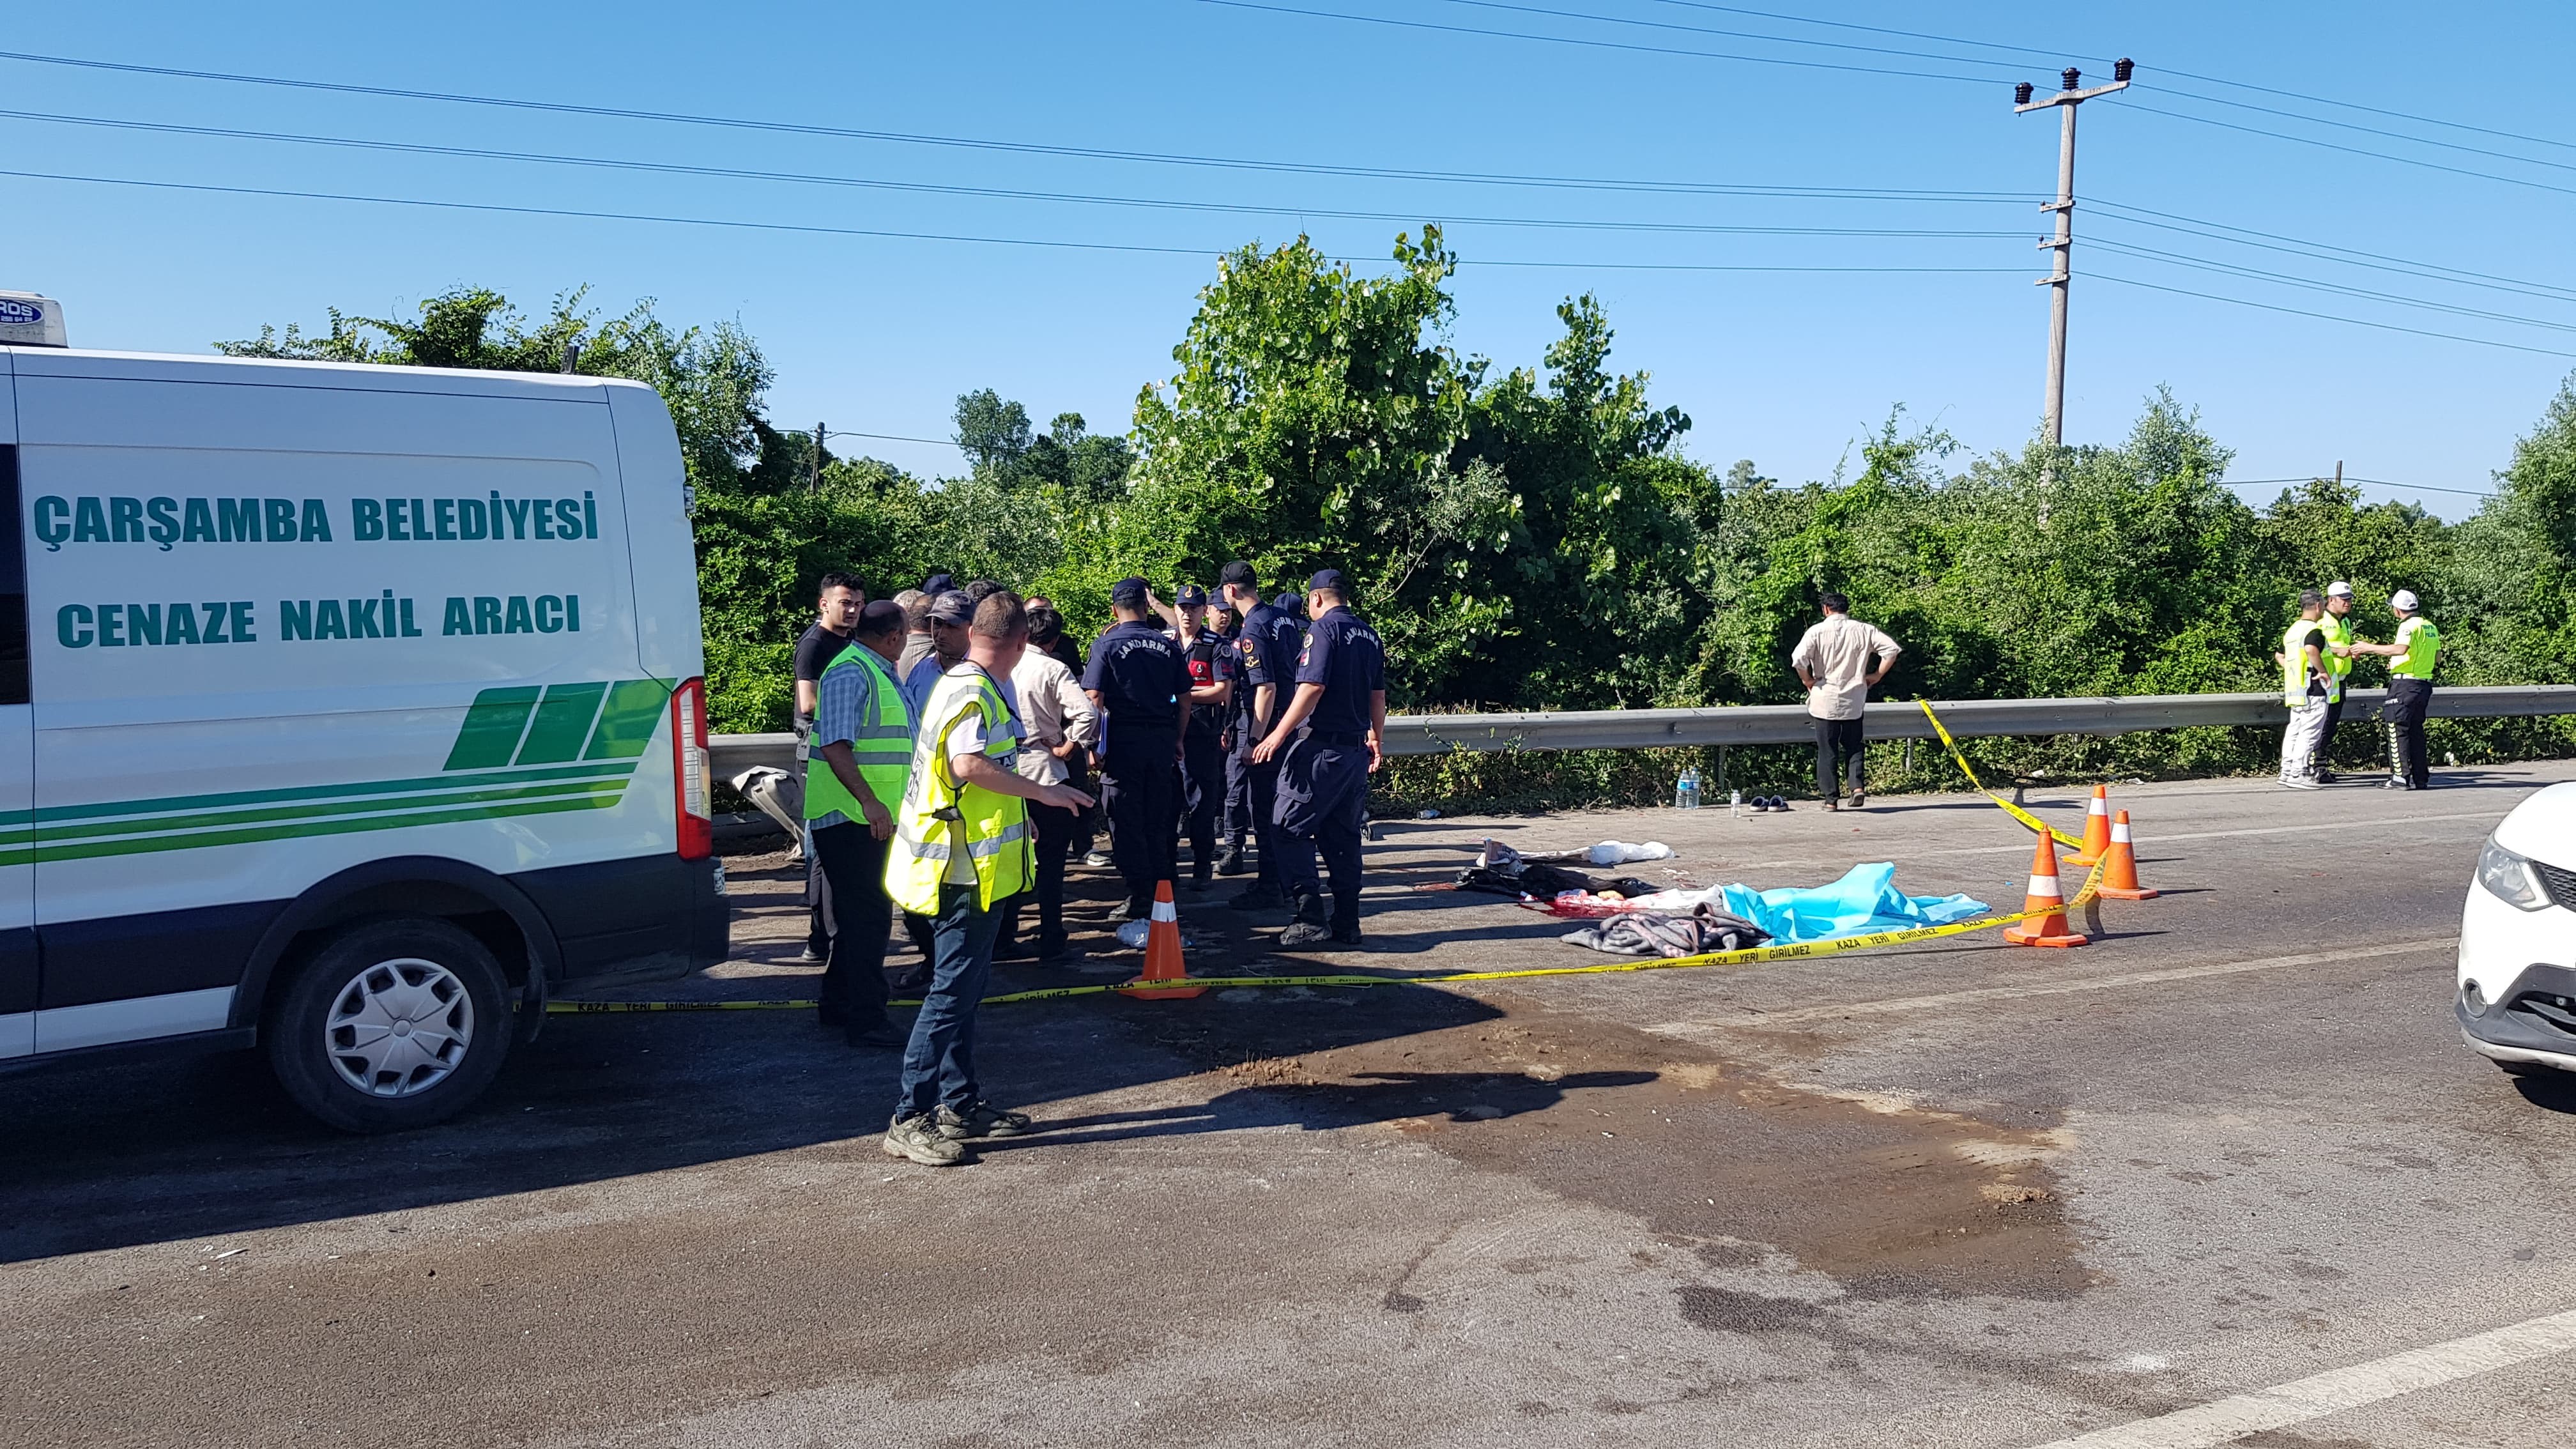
(399, 1027)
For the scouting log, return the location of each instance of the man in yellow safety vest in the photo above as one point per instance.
(2306, 687)
(2410, 690)
(962, 847)
(857, 754)
(2336, 621)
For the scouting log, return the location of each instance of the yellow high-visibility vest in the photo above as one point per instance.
(940, 817)
(882, 746)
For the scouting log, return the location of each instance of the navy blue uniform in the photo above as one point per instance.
(1268, 643)
(1323, 776)
(1211, 661)
(1140, 678)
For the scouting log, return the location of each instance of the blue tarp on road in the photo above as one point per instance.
(1864, 900)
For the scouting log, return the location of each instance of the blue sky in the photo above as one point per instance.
(878, 334)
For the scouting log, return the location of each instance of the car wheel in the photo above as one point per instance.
(391, 1025)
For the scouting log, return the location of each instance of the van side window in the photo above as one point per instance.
(13, 584)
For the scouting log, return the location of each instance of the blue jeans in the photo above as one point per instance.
(939, 1062)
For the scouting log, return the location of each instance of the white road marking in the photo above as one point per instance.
(2056, 988)
(2227, 1420)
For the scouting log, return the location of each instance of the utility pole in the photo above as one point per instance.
(2053, 416)
(814, 470)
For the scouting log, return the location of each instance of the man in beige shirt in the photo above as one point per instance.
(1838, 660)
(1060, 723)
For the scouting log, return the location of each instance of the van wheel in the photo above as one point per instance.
(391, 1025)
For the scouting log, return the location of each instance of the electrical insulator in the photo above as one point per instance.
(2072, 77)
(2121, 68)
(2021, 94)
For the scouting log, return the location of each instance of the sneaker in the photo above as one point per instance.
(1097, 860)
(2300, 782)
(1231, 863)
(1139, 908)
(980, 1119)
(815, 955)
(918, 1139)
(1301, 934)
(2327, 777)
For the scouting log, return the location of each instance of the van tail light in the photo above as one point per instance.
(690, 801)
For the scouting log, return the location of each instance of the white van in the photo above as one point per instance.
(345, 711)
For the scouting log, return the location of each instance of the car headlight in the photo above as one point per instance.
(2510, 878)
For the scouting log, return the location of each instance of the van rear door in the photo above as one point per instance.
(17, 754)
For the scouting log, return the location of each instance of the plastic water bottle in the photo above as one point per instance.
(1686, 789)
(1735, 802)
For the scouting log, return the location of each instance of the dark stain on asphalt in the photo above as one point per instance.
(1893, 1201)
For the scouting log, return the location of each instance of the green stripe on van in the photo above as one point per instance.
(249, 835)
(490, 734)
(562, 724)
(628, 721)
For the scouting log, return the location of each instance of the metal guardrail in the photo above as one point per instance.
(1789, 724)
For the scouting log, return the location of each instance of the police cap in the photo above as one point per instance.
(1128, 593)
(953, 608)
(1191, 596)
(1327, 579)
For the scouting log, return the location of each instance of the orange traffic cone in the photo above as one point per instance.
(2120, 866)
(2097, 829)
(2050, 929)
(1163, 949)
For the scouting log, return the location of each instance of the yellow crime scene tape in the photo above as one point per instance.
(1750, 956)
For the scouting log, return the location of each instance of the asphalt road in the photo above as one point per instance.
(1964, 1194)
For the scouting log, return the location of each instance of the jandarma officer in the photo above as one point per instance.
(1328, 741)
(1137, 678)
(1268, 643)
(1210, 658)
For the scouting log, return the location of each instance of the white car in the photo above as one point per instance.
(2517, 987)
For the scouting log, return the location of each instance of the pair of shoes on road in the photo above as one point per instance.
(2300, 782)
(938, 1138)
(1765, 804)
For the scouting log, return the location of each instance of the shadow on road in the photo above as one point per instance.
(120, 1154)
(1322, 1106)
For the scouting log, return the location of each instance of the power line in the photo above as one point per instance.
(2054, 57)
(1593, 44)
(2368, 130)
(1093, 153)
(2325, 316)
(894, 438)
(881, 234)
(2144, 109)
(2374, 482)
(2323, 251)
(2256, 274)
(1710, 30)
(935, 188)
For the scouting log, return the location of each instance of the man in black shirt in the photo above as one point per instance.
(1328, 741)
(838, 600)
(1210, 658)
(1138, 679)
